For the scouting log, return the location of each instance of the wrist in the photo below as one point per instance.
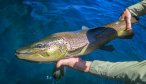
(88, 64)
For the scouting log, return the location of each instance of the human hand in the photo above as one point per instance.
(75, 63)
(126, 15)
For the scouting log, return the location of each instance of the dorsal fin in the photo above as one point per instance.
(84, 27)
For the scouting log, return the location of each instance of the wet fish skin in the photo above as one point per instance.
(69, 44)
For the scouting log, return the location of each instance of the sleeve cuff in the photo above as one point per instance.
(138, 9)
(99, 68)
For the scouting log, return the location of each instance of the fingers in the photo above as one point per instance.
(59, 64)
(128, 23)
(126, 15)
(128, 20)
(122, 17)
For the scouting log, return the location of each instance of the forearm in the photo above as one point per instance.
(75, 63)
(127, 71)
(138, 9)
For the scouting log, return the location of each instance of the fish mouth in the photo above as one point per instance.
(30, 57)
(26, 53)
(22, 53)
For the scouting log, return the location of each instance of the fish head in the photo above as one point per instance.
(46, 50)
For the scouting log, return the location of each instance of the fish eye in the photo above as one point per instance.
(39, 46)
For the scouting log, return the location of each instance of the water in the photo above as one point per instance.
(25, 21)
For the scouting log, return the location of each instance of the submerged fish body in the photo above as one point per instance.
(68, 44)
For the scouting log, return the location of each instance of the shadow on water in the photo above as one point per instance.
(25, 21)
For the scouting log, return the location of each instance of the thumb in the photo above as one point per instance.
(122, 17)
(59, 64)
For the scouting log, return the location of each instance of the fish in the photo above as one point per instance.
(63, 45)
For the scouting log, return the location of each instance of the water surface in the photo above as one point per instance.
(26, 21)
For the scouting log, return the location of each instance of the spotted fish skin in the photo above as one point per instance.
(69, 44)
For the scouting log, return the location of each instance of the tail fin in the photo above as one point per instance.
(58, 72)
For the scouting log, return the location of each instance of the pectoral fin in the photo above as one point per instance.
(85, 28)
(78, 51)
(58, 72)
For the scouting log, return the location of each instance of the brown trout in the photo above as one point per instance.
(69, 44)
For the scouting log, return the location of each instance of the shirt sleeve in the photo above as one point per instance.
(132, 71)
(138, 9)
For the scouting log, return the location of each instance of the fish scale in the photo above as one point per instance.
(77, 43)
(74, 39)
(61, 45)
